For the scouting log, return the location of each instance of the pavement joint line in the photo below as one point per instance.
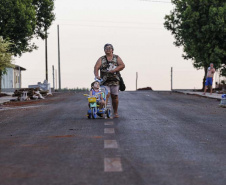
(109, 130)
(13, 108)
(112, 165)
(110, 144)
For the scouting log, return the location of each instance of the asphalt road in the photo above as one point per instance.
(160, 139)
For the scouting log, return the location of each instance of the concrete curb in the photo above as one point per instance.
(189, 92)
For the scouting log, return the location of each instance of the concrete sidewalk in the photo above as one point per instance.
(207, 95)
(5, 99)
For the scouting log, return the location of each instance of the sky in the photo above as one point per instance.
(135, 29)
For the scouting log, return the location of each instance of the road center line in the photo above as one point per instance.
(109, 123)
(110, 144)
(109, 130)
(112, 165)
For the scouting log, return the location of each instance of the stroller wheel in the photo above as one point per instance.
(108, 113)
(94, 113)
(89, 114)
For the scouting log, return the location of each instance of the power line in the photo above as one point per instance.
(102, 21)
(152, 1)
(155, 1)
(111, 24)
(127, 27)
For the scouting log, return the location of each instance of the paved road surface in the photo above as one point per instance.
(160, 138)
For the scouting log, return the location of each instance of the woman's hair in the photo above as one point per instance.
(109, 45)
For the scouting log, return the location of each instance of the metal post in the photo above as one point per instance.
(136, 79)
(59, 56)
(19, 77)
(56, 78)
(53, 78)
(46, 56)
(171, 78)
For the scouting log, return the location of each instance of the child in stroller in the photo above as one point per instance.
(97, 101)
(95, 91)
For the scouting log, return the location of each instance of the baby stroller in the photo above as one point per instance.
(94, 109)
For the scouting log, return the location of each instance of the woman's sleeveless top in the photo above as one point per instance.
(109, 78)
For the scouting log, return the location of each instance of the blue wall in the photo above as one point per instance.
(7, 79)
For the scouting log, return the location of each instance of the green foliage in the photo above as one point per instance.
(22, 20)
(200, 27)
(44, 16)
(5, 56)
(223, 71)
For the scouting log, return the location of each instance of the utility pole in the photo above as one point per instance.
(46, 56)
(136, 79)
(53, 78)
(59, 56)
(56, 77)
(171, 78)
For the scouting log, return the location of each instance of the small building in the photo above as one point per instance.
(13, 78)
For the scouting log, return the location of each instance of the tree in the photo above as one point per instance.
(22, 20)
(44, 16)
(5, 58)
(200, 27)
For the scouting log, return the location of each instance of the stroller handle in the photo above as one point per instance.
(98, 80)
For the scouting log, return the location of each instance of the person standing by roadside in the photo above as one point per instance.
(109, 66)
(209, 78)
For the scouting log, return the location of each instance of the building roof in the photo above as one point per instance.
(19, 68)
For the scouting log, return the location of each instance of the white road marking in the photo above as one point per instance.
(109, 130)
(110, 144)
(109, 123)
(112, 165)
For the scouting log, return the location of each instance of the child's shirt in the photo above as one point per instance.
(96, 93)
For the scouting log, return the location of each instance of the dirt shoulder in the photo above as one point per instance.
(56, 97)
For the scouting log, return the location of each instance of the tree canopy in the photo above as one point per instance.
(5, 57)
(22, 20)
(200, 27)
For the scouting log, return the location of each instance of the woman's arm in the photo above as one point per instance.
(96, 68)
(120, 66)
